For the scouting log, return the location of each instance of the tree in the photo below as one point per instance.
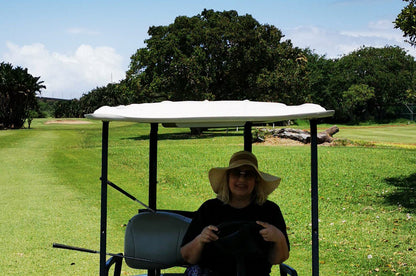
(67, 109)
(320, 70)
(406, 21)
(355, 101)
(17, 95)
(31, 115)
(112, 95)
(217, 56)
(388, 70)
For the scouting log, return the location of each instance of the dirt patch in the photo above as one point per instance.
(276, 141)
(67, 122)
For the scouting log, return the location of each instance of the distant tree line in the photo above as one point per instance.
(368, 84)
(226, 56)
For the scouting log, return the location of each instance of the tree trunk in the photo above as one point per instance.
(305, 136)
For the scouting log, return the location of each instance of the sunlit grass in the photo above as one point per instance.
(50, 192)
(399, 135)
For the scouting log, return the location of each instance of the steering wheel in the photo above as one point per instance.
(240, 238)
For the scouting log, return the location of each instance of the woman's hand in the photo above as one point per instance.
(208, 234)
(191, 252)
(280, 250)
(270, 232)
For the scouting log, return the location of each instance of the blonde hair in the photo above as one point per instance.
(259, 195)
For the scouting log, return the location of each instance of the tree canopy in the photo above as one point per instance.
(222, 56)
(217, 56)
(17, 95)
(406, 21)
(388, 71)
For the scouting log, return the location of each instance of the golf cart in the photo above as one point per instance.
(153, 237)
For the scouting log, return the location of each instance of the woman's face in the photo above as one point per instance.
(241, 182)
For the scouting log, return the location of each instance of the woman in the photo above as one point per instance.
(242, 192)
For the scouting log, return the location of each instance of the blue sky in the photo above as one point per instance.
(78, 45)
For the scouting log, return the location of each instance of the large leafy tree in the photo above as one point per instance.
(217, 56)
(381, 77)
(355, 101)
(18, 91)
(320, 71)
(406, 21)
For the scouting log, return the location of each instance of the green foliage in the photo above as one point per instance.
(223, 56)
(320, 71)
(382, 78)
(17, 95)
(67, 109)
(406, 21)
(217, 56)
(46, 109)
(389, 70)
(30, 116)
(112, 95)
(355, 101)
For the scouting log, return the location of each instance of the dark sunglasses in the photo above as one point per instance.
(249, 174)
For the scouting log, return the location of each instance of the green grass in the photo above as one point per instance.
(50, 192)
(388, 135)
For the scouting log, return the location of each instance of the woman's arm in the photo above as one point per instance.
(191, 252)
(280, 251)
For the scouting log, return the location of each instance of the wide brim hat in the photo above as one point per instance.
(218, 176)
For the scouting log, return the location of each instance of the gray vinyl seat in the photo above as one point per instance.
(156, 239)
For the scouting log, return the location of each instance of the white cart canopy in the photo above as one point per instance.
(209, 113)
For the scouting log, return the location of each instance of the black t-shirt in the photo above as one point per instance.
(215, 212)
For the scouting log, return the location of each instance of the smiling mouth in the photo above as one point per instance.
(241, 186)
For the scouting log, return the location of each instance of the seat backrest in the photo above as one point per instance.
(156, 238)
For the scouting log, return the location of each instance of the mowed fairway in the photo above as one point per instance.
(396, 135)
(40, 206)
(50, 192)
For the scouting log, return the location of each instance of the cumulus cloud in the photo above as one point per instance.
(68, 75)
(334, 44)
(382, 29)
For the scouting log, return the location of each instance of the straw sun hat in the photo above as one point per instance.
(218, 176)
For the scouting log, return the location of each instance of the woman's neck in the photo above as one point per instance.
(239, 203)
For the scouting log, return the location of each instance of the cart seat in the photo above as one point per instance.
(156, 238)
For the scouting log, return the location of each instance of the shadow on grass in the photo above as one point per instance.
(188, 135)
(405, 194)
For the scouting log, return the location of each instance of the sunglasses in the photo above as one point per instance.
(248, 174)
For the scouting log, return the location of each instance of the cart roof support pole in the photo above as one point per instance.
(153, 165)
(153, 177)
(248, 138)
(104, 175)
(314, 197)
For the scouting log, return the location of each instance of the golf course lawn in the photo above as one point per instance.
(50, 192)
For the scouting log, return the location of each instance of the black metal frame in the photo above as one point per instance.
(153, 191)
(314, 197)
(117, 261)
(104, 175)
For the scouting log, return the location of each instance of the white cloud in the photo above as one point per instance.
(382, 29)
(68, 75)
(323, 41)
(337, 43)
